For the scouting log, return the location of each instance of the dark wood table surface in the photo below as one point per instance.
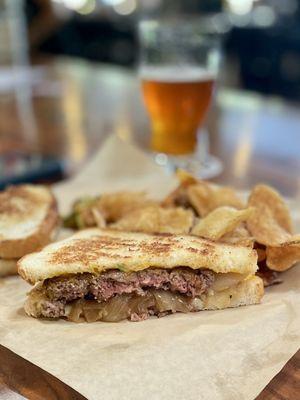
(73, 106)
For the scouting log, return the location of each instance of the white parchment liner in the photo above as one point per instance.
(212, 355)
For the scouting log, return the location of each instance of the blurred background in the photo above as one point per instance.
(262, 40)
(73, 71)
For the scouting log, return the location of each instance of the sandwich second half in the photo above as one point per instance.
(105, 275)
(28, 221)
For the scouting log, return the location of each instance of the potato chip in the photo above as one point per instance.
(263, 196)
(239, 236)
(115, 205)
(97, 211)
(98, 217)
(261, 254)
(199, 197)
(268, 276)
(220, 221)
(157, 220)
(202, 196)
(89, 217)
(205, 198)
(82, 214)
(283, 256)
(270, 223)
(185, 178)
(226, 196)
(177, 197)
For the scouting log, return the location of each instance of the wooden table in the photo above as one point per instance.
(75, 105)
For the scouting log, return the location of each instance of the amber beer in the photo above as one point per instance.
(177, 101)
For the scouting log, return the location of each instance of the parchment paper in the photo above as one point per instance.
(212, 355)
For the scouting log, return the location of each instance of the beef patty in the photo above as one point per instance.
(62, 290)
(103, 287)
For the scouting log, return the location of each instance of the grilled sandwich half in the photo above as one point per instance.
(105, 275)
(28, 221)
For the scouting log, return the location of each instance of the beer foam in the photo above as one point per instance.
(174, 73)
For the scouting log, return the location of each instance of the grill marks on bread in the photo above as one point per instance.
(87, 250)
(98, 250)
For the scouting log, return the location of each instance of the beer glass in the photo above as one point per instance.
(179, 60)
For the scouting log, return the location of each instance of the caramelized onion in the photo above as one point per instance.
(76, 311)
(116, 309)
(225, 281)
(92, 310)
(123, 306)
(168, 301)
(141, 304)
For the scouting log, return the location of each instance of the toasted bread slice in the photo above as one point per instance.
(28, 219)
(248, 291)
(97, 250)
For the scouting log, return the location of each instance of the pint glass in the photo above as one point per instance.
(179, 62)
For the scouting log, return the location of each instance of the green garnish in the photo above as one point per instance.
(121, 267)
(70, 221)
(75, 220)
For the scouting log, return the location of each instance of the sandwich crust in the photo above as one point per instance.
(246, 292)
(28, 219)
(95, 251)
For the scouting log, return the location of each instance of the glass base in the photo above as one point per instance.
(206, 168)
(200, 164)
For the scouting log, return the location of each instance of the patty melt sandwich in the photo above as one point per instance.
(105, 275)
(28, 221)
